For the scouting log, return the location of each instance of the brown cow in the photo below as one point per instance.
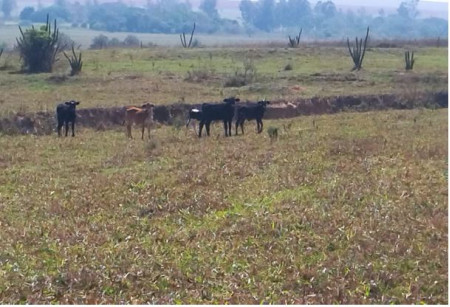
(141, 116)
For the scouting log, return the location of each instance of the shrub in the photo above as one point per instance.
(199, 74)
(26, 13)
(100, 42)
(38, 47)
(75, 62)
(242, 77)
(115, 42)
(237, 80)
(65, 41)
(288, 67)
(273, 133)
(131, 41)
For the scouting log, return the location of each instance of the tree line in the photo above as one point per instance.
(325, 20)
(321, 20)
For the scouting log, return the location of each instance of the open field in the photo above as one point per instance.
(117, 77)
(346, 208)
(84, 37)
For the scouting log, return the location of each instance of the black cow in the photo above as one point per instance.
(65, 112)
(195, 114)
(249, 112)
(221, 111)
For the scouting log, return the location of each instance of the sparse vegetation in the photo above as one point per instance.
(273, 133)
(38, 47)
(295, 42)
(117, 76)
(100, 42)
(344, 208)
(354, 212)
(183, 38)
(349, 208)
(242, 76)
(409, 60)
(358, 51)
(76, 64)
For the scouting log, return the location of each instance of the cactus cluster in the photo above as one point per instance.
(183, 38)
(38, 47)
(294, 42)
(358, 51)
(75, 62)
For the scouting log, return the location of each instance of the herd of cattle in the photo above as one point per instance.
(209, 112)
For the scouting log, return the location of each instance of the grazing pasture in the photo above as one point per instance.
(117, 77)
(349, 208)
(345, 208)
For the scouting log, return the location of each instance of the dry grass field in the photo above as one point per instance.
(117, 77)
(349, 208)
(346, 208)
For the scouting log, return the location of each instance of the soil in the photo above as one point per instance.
(41, 123)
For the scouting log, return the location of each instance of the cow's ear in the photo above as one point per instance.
(237, 100)
(76, 103)
(268, 102)
(68, 103)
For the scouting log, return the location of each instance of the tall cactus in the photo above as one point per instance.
(38, 47)
(358, 51)
(183, 38)
(294, 42)
(75, 62)
(409, 60)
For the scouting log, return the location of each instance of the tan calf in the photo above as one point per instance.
(141, 116)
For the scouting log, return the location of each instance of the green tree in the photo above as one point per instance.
(265, 18)
(325, 9)
(7, 7)
(259, 14)
(297, 13)
(248, 11)
(26, 13)
(209, 8)
(408, 9)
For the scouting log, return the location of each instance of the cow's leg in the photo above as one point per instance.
(60, 124)
(195, 126)
(73, 128)
(208, 123)
(143, 130)
(67, 128)
(242, 125)
(229, 127)
(260, 125)
(129, 131)
(148, 130)
(202, 123)
(225, 127)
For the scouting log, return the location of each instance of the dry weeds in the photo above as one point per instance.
(354, 211)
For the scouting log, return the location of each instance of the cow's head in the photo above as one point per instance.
(148, 105)
(263, 102)
(72, 103)
(231, 100)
